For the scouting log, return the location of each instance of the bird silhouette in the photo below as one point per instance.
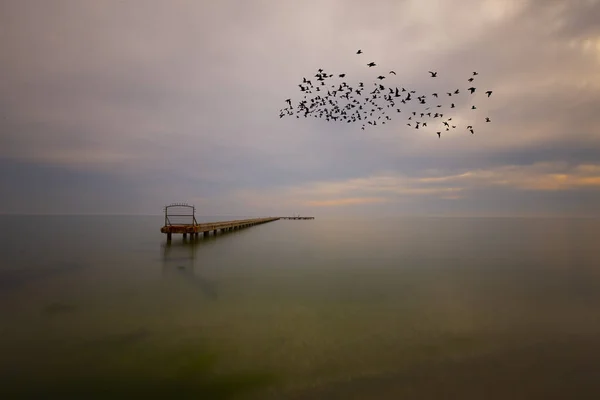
(487, 119)
(348, 102)
(439, 134)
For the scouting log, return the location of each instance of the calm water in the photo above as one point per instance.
(404, 308)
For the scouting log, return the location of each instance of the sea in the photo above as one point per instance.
(330, 308)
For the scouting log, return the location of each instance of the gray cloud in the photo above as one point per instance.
(107, 103)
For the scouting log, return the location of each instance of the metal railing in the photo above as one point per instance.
(180, 214)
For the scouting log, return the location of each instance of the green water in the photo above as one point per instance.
(403, 308)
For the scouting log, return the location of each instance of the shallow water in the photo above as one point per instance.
(424, 308)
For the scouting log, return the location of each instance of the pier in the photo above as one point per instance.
(180, 218)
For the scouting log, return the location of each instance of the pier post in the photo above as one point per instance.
(184, 235)
(206, 233)
(168, 236)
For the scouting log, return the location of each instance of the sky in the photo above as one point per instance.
(122, 107)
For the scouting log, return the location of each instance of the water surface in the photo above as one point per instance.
(424, 308)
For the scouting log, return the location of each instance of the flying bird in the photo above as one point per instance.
(487, 119)
(475, 73)
(348, 103)
(439, 134)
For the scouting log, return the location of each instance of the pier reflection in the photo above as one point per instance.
(179, 263)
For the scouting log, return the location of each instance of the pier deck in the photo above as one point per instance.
(181, 219)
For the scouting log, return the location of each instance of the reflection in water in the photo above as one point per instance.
(123, 339)
(179, 262)
(117, 369)
(59, 308)
(13, 279)
(411, 308)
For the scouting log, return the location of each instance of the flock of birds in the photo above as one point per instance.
(333, 99)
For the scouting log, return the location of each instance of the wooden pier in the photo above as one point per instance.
(181, 219)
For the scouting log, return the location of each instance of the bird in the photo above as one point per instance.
(359, 51)
(475, 73)
(471, 130)
(470, 79)
(473, 108)
(487, 119)
(439, 134)
(347, 103)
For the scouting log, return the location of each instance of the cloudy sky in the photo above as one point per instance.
(125, 106)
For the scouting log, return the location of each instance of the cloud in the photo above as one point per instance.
(177, 101)
(465, 186)
(345, 201)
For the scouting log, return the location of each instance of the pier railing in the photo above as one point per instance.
(180, 218)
